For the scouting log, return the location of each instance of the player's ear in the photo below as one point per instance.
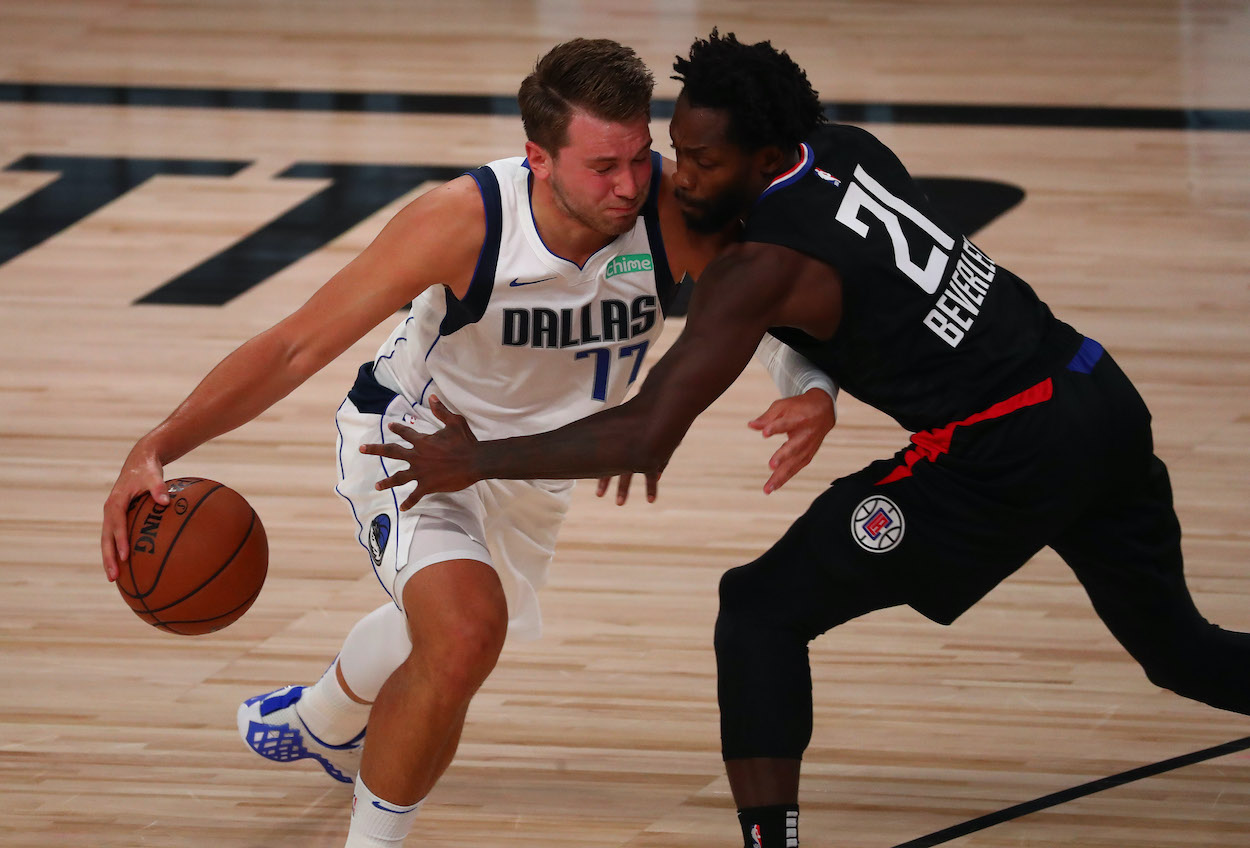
(770, 160)
(540, 160)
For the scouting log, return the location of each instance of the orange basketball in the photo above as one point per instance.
(197, 564)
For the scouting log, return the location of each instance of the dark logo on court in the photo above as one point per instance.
(379, 532)
(877, 524)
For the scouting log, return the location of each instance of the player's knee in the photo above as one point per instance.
(733, 588)
(1196, 662)
(745, 607)
(1176, 675)
(740, 588)
(457, 659)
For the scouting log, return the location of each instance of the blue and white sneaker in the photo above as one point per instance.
(270, 726)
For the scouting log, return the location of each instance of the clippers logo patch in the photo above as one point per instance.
(379, 532)
(877, 524)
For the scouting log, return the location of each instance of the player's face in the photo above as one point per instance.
(716, 180)
(601, 177)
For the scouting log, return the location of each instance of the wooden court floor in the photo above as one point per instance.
(1135, 227)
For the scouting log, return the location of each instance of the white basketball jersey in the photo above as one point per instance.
(536, 342)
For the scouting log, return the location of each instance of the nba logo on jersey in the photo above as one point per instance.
(877, 524)
(755, 837)
(827, 177)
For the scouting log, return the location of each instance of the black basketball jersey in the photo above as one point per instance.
(932, 329)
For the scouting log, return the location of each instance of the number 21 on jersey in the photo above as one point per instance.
(867, 196)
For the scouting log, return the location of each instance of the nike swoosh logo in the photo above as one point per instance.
(529, 282)
(388, 809)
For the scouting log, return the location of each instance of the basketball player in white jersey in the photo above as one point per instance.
(538, 286)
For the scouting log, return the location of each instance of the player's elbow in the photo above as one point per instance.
(303, 357)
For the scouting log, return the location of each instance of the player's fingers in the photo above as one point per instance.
(777, 480)
(121, 544)
(794, 452)
(397, 479)
(783, 422)
(388, 451)
(405, 432)
(785, 466)
(602, 488)
(764, 420)
(440, 411)
(108, 551)
(622, 488)
(417, 494)
(653, 485)
(159, 490)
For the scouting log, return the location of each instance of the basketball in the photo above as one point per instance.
(196, 564)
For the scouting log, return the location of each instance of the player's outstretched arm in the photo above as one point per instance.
(435, 239)
(746, 290)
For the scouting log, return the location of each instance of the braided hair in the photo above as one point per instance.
(767, 96)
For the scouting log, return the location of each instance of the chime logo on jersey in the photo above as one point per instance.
(627, 262)
(877, 524)
(379, 532)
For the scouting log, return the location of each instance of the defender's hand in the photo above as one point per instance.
(622, 487)
(142, 472)
(805, 419)
(438, 462)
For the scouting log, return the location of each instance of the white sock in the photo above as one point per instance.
(328, 713)
(377, 823)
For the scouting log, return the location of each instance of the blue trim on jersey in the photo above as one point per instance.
(806, 161)
(342, 469)
(395, 347)
(1087, 357)
(395, 501)
(461, 313)
(665, 286)
(352, 507)
(529, 188)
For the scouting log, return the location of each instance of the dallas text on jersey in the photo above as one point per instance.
(606, 320)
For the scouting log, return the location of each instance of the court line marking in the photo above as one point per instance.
(400, 102)
(1062, 797)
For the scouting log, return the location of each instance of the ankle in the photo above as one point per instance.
(377, 823)
(776, 826)
(329, 712)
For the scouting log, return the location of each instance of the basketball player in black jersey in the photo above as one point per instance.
(1027, 434)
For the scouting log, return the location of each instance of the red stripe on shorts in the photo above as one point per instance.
(930, 444)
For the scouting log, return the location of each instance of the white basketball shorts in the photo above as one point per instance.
(511, 525)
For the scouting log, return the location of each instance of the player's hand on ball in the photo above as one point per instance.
(142, 472)
(622, 487)
(805, 419)
(437, 462)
